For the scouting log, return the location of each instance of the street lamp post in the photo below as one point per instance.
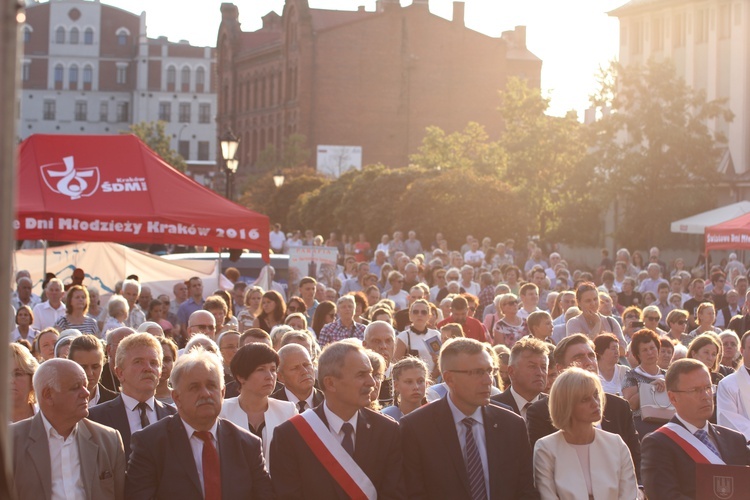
(229, 143)
(278, 178)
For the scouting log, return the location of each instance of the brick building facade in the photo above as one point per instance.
(359, 78)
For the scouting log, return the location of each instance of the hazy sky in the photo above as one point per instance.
(572, 37)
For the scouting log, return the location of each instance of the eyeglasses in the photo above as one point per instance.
(477, 372)
(697, 391)
(652, 318)
(204, 328)
(420, 311)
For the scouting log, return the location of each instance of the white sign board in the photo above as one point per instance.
(334, 161)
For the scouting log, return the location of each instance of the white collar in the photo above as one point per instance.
(335, 422)
(459, 416)
(51, 432)
(294, 399)
(190, 430)
(131, 403)
(690, 427)
(520, 400)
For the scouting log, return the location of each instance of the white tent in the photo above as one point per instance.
(104, 264)
(697, 224)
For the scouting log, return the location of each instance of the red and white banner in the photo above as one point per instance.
(114, 188)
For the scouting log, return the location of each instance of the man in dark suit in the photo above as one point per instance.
(108, 376)
(578, 350)
(527, 371)
(668, 471)
(88, 352)
(462, 447)
(138, 367)
(166, 455)
(381, 338)
(297, 373)
(93, 468)
(345, 426)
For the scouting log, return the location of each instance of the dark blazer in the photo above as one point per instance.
(105, 394)
(434, 466)
(108, 378)
(668, 472)
(296, 472)
(506, 398)
(162, 464)
(317, 398)
(112, 414)
(617, 419)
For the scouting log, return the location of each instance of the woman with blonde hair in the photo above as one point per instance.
(251, 304)
(22, 369)
(410, 380)
(581, 461)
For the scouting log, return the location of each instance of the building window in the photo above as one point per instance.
(184, 112)
(60, 35)
(203, 148)
(26, 71)
(678, 32)
(123, 112)
(49, 110)
(122, 36)
(204, 113)
(185, 79)
(26, 34)
(58, 76)
(81, 111)
(104, 111)
(701, 26)
(74, 36)
(657, 35)
(88, 76)
(165, 111)
(636, 38)
(171, 77)
(73, 77)
(88, 36)
(200, 79)
(725, 22)
(122, 73)
(183, 147)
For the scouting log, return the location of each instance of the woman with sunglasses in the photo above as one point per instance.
(511, 326)
(412, 341)
(677, 323)
(651, 316)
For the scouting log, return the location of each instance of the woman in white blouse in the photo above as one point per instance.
(581, 461)
(611, 373)
(254, 368)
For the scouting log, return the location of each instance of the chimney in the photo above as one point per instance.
(387, 5)
(361, 8)
(519, 36)
(458, 11)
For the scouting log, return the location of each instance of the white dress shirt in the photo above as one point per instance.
(693, 429)
(196, 445)
(478, 432)
(335, 423)
(294, 399)
(521, 402)
(65, 464)
(46, 316)
(134, 414)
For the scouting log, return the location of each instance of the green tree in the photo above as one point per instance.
(294, 153)
(153, 134)
(544, 154)
(654, 150)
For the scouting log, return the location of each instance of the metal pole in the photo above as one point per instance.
(11, 14)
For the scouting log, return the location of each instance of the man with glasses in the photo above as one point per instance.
(670, 454)
(477, 435)
(201, 322)
(733, 394)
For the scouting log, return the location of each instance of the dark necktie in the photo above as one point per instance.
(348, 442)
(474, 463)
(142, 407)
(211, 467)
(301, 405)
(703, 436)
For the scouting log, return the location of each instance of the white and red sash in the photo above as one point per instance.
(339, 464)
(694, 447)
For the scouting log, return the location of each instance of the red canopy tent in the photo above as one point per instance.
(114, 188)
(733, 234)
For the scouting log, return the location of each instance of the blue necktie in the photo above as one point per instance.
(703, 436)
(474, 463)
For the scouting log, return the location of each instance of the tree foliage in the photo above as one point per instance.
(294, 153)
(654, 150)
(155, 137)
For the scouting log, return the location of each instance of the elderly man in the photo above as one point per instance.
(651, 284)
(381, 338)
(297, 373)
(23, 295)
(201, 322)
(114, 337)
(460, 446)
(131, 289)
(365, 444)
(48, 312)
(145, 298)
(138, 367)
(527, 371)
(195, 454)
(344, 326)
(180, 292)
(671, 452)
(58, 453)
(88, 352)
(733, 394)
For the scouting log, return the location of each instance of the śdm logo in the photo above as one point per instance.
(73, 182)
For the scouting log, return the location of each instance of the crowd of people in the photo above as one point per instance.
(417, 372)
